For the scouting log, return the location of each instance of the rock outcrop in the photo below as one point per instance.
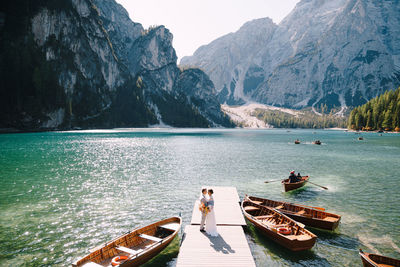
(85, 64)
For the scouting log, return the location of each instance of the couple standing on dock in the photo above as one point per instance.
(207, 212)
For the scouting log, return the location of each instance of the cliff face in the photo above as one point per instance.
(339, 53)
(84, 63)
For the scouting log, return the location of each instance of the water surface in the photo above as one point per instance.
(62, 193)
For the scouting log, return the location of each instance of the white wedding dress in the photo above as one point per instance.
(211, 224)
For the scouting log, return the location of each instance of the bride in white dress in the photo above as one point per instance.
(211, 224)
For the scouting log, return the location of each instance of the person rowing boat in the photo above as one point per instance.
(293, 178)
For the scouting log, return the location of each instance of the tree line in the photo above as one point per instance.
(304, 119)
(380, 113)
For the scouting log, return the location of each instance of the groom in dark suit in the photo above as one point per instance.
(203, 201)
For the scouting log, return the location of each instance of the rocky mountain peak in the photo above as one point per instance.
(339, 53)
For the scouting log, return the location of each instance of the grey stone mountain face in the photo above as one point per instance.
(339, 53)
(116, 73)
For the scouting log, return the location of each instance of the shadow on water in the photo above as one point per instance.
(166, 256)
(304, 193)
(298, 258)
(219, 244)
(335, 239)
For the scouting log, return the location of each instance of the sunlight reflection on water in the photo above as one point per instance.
(63, 193)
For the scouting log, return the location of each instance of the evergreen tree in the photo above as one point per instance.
(382, 112)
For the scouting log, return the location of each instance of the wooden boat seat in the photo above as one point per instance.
(279, 207)
(300, 212)
(91, 264)
(303, 237)
(250, 208)
(152, 238)
(263, 217)
(281, 225)
(170, 226)
(291, 237)
(257, 202)
(298, 237)
(330, 219)
(128, 250)
(385, 265)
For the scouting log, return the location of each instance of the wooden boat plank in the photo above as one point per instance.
(91, 264)
(250, 208)
(330, 219)
(128, 250)
(171, 226)
(263, 217)
(152, 238)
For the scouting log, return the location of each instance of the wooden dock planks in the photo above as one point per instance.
(230, 248)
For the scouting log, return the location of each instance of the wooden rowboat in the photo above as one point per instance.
(291, 186)
(136, 247)
(308, 215)
(374, 260)
(271, 222)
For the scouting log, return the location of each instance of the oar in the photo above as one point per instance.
(326, 188)
(272, 181)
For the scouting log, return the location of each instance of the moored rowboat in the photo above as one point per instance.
(291, 186)
(309, 216)
(278, 227)
(375, 260)
(135, 247)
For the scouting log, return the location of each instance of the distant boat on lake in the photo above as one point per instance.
(288, 186)
(317, 142)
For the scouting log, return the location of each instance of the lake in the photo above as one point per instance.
(62, 193)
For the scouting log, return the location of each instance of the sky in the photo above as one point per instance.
(198, 22)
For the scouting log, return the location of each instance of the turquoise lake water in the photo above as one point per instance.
(62, 193)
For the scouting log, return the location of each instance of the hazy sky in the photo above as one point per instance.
(197, 22)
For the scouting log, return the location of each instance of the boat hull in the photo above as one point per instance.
(292, 245)
(145, 250)
(300, 239)
(313, 218)
(146, 257)
(375, 260)
(314, 223)
(292, 186)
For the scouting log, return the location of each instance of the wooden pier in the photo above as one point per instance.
(230, 248)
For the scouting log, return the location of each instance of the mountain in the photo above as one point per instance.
(85, 64)
(335, 53)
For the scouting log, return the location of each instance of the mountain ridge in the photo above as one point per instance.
(338, 53)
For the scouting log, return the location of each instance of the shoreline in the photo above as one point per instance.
(19, 131)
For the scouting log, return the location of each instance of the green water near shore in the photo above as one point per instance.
(62, 193)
